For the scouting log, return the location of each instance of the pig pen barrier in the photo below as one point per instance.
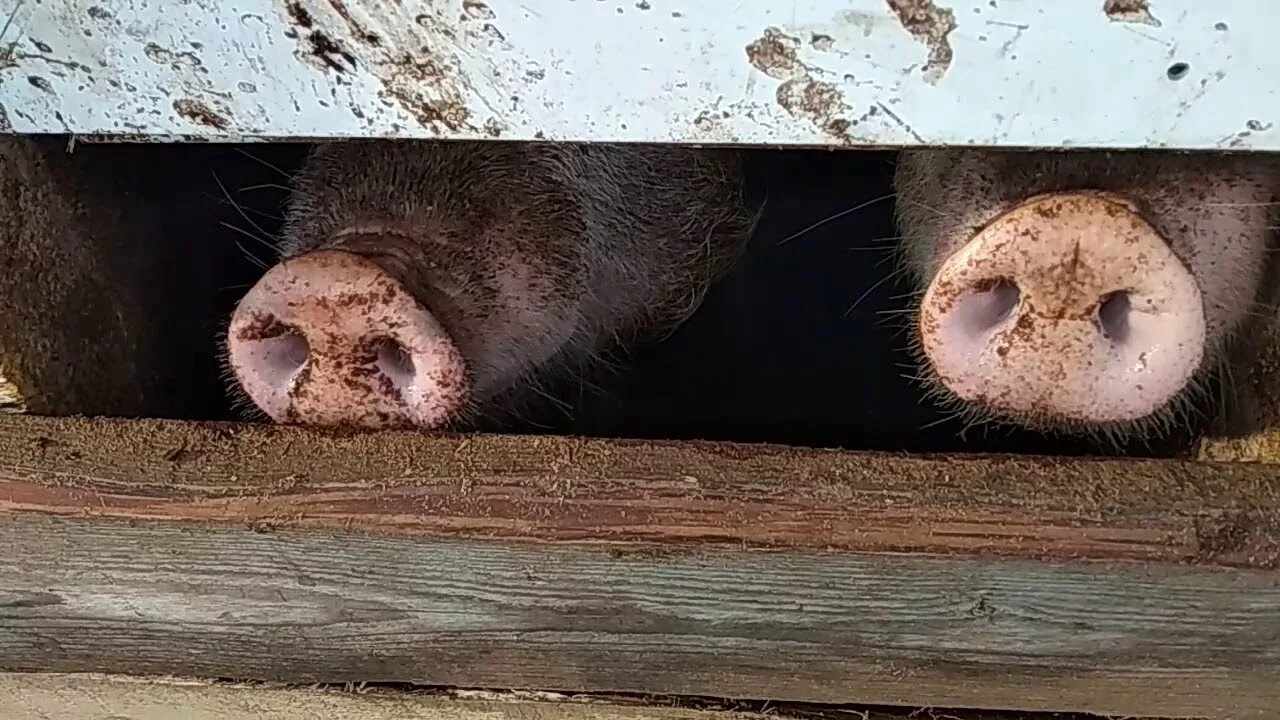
(164, 569)
(276, 559)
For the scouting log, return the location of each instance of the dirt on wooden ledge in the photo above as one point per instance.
(590, 490)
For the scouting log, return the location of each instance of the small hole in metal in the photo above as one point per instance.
(1177, 71)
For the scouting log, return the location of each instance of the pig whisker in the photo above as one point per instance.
(867, 294)
(240, 210)
(837, 216)
(910, 294)
(251, 236)
(947, 418)
(265, 186)
(566, 407)
(1229, 389)
(901, 320)
(251, 257)
(263, 213)
(879, 244)
(259, 160)
(931, 209)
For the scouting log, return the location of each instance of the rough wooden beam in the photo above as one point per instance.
(624, 567)
(577, 490)
(304, 606)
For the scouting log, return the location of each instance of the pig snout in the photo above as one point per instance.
(1070, 307)
(328, 338)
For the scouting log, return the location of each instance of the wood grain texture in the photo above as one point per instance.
(28, 696)
(542, 489)
(95, 595)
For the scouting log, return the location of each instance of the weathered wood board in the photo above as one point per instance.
(675, 494)
(586, 565)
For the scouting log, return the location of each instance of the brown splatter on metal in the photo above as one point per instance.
(774, 54)
(426, 84)
(931, 25)
(6, 125)
(198, 112)
(822, 103)
(1130, 11)
(320, 46)
(409, 71)
(358, 30)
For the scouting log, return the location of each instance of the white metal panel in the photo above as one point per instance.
(1102, 73)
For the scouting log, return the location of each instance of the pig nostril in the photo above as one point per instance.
(989, 305)
(395, 362)
(286, 352)
(1113, 316)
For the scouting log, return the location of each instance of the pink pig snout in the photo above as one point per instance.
(328, 338)
(1068, 308)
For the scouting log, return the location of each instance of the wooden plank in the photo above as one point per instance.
(718, 570)
(26, 696)
(96, 595)
(629, 493)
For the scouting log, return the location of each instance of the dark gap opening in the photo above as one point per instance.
(804, 343)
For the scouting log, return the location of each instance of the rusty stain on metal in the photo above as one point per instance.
(774, 54)
(1130, 11)
(406, 55)
(822, 103)
(320, 47)
(931, 25)
(822, 42)
(838, 72)
(198, 112)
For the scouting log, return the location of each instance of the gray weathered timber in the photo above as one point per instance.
(92, 595)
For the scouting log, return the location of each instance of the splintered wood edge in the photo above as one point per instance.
(1262, 447)
(40, 696)
(11, 400)
(590, 491)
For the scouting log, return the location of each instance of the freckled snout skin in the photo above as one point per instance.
(503, 265)
(110, 275)
(1082, 291)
